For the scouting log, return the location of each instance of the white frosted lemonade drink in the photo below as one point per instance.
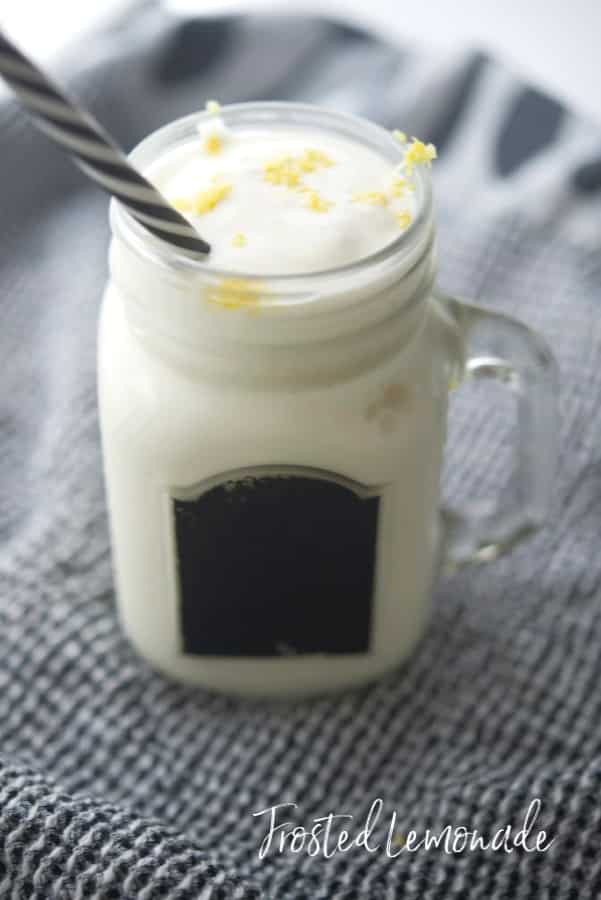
(273, 416)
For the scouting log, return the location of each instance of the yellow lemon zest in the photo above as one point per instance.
(376, 198)
(316, 203)
(183, 204)
(235, 293)
(418, 153)
(287, 170)
(239, 240)
(404, 219)
(203, 201)
(213, 107)
(399, 136)
(282, 170)
(311, 160)
(399, 186)
(212, 144)
(207, 200)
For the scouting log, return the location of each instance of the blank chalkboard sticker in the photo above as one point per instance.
(273, 562)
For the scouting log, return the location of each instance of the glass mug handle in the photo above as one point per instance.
(497, 346)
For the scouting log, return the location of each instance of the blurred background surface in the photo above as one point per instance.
(552, 43)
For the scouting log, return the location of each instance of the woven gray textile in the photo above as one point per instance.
(116, 783)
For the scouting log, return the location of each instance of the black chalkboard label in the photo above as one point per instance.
(275, 561)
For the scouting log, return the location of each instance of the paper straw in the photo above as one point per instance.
(77, 132)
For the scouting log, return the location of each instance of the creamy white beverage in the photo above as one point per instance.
(273, 417)
(274, 201)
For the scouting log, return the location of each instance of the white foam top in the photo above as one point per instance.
(292, 201)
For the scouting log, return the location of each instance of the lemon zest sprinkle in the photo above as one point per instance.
(312, 159)
(203, 201)
(399, 186)
(375, 198)
(418, 153)
(183, 204)
(399, 136)
(239, 240)
(235, 293)
(212, 144)
(213, 107)
(282, 170)
(404, 219)
(317, 203)
(207, 200)
(287, 170)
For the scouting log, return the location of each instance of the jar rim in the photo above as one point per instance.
(160, 253)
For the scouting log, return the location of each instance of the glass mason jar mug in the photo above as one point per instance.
(273, 445)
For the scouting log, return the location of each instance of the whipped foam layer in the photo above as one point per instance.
(283, 202)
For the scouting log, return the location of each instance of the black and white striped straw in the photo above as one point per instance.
(75, 129)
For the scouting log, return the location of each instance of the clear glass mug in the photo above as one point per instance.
(272, 447)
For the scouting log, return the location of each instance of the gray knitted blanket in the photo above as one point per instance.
(116, 783)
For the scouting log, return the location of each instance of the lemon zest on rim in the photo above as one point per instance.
(418, 153)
